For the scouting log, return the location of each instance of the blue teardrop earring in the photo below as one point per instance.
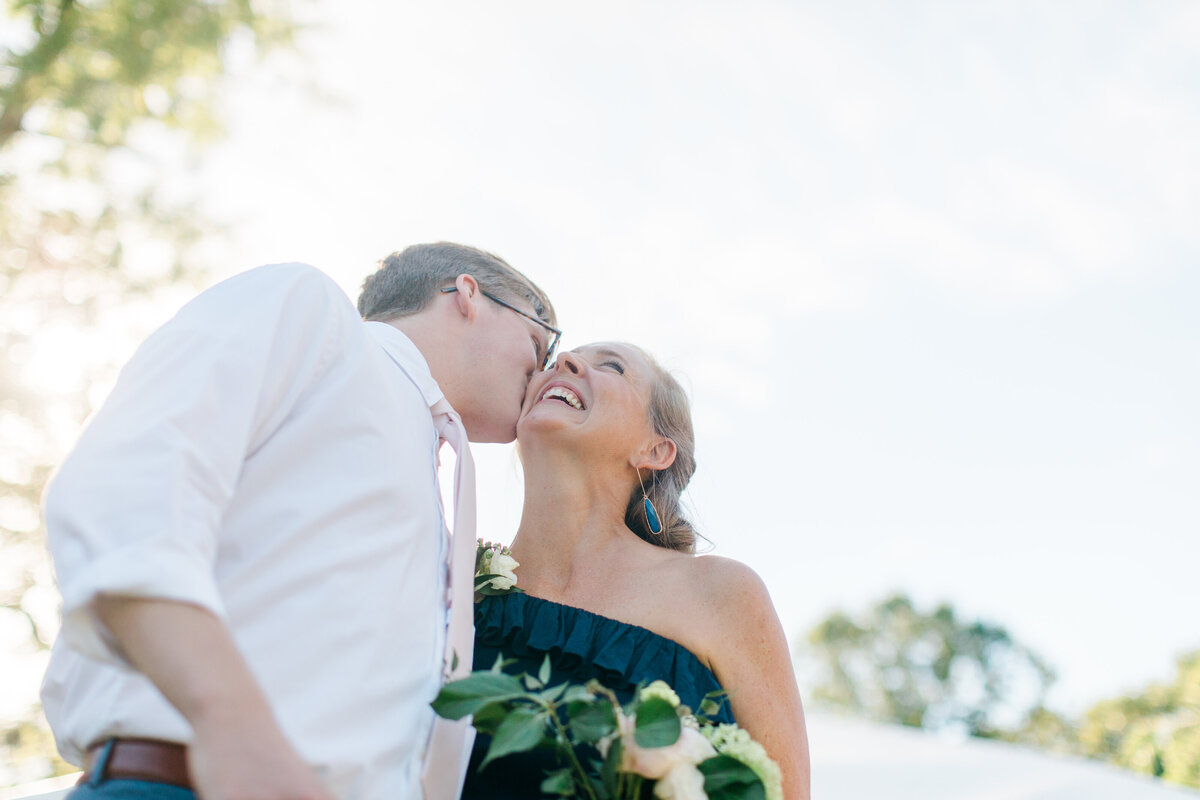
(651, 513)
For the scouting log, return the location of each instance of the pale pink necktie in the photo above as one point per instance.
(449, 741)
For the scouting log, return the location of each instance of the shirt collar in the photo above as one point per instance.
(407, 357)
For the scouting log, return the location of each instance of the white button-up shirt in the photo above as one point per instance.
(264, 457)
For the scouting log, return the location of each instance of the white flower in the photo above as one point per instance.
(497, 560)
(683, 782)
(732, 741)
(654, 762)
(503, 566)
(660, 689)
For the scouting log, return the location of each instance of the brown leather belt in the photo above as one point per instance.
(141, 760)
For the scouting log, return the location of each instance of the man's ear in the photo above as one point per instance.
(660, 456)
(466, 299)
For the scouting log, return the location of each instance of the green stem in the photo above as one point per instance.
(623, 778)
(581, 777)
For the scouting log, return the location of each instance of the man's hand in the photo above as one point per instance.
(230, 761)
(239, 751)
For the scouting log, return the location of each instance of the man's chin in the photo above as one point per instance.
(492, 434)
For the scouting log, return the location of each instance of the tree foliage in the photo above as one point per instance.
(27, 754)
(94, 70)
(927, 670)
(95, 96)
(1155, 731)
(936, 670)
(105, 108)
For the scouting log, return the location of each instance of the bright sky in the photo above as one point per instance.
(929, 269)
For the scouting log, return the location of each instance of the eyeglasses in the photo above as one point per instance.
(555, 333)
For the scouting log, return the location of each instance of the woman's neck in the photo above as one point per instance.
(573, 519)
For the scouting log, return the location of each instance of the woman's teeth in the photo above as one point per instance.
(564, 394)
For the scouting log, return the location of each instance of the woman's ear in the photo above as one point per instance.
(659, 457)
(466, 299)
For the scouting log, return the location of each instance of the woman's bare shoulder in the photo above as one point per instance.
(710, 604)
(720, 591)
(726, 576)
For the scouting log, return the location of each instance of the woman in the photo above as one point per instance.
(607, 596)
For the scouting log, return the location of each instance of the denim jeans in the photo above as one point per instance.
(123, 789)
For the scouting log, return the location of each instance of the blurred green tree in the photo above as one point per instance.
(927, 670)
(934, 670)
(1156, 731)
(105, 109)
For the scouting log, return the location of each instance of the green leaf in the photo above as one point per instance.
(502, 662)
(532, 683)
(711, 704)
(490, 591)
(657, 724)
(559, 782)
(592, 722)
(599, 789)
(609, 774)
(552, 694)
(578, 694)
(459, 698)
(520, 731)
(488, 718)
(726, 778)
(544, 672)
(594, 772)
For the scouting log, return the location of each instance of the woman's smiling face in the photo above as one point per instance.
(608, 414)
(603, 388)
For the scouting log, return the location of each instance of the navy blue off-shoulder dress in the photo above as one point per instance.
(582, 646)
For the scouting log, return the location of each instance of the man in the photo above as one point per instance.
(249, 537)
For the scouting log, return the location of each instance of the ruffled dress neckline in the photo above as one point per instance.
(584, 645)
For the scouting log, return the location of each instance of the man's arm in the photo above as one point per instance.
(136, 509)
(134, 515)
(239, 750)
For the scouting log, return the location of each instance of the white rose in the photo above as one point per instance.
(654, 762)
(504, 568)
(683, 782)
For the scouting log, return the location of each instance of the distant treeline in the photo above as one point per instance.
(934, 670)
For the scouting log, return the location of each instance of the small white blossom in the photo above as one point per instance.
(504, 567)
(497, 560)
(732, 741)
(660, 689)
(683, 782)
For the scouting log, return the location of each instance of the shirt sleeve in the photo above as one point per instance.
(136, 508)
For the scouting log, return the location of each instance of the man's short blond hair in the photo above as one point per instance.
(407, 281)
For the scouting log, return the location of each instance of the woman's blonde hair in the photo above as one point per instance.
(670, 416)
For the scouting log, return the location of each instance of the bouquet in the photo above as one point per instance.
(612, 751)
